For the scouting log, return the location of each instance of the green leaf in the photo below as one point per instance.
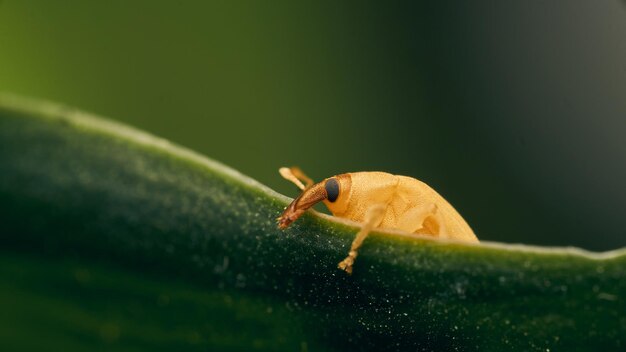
(114, 239)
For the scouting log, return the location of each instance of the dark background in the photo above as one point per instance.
(515, 112)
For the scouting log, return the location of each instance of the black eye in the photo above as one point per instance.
(332, 189)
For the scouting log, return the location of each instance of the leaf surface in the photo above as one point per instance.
(114, 239)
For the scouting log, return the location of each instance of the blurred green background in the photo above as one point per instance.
(515, 112)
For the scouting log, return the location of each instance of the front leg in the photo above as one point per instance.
(373, 218)
(296, 176)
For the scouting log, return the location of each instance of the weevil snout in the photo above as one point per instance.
(290, 215)
(309, 197)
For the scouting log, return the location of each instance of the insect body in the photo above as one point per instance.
(377, 200)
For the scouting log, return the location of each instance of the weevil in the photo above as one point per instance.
(377, 200)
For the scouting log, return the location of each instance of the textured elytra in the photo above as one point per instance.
(113, 237)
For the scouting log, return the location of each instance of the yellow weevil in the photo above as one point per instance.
(377, 200)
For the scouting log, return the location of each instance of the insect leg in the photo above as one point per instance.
(423, 218)
(296, 176)
(373, 217)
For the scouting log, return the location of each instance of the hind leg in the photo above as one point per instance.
(423, 218)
